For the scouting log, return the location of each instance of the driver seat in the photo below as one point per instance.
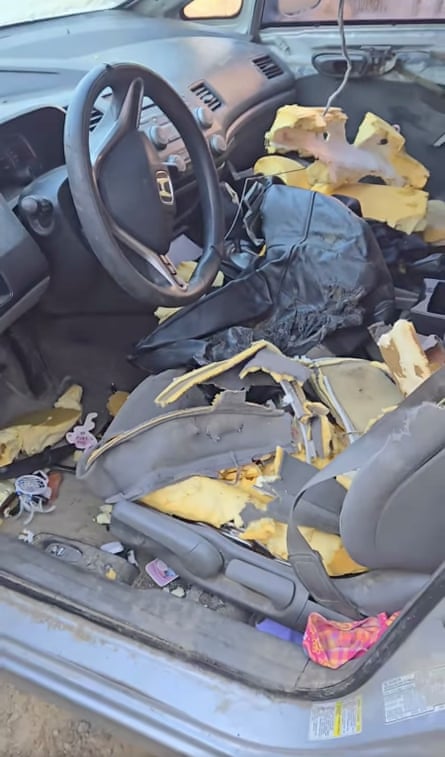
(391, 520)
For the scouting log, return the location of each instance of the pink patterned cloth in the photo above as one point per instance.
(331, 644)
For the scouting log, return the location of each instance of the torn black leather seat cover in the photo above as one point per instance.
(323, 271)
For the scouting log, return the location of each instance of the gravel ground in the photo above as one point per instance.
(30, 727)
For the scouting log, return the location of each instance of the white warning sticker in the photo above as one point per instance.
(335, 720)
(413, 695)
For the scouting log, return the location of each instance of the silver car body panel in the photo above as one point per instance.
(184, 709)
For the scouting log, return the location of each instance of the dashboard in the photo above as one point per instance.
(232, 86)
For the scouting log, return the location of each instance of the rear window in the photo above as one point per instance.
(356, 11)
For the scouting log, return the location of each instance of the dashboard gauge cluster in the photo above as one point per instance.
(30, 145)
(19, 164)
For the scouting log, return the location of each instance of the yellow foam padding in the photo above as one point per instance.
(221, 501)
(304, 131)
(378, 149)
(206, 500)
(434, 232)
(381, 137)
(179, 386)
(404, 356)
(116, 402)
(334, 442)
(402, 208)
(71, 399)
(283, 135)
(273, 536)
(6, 489)
(312, 132)
(32, 433)
(215, 502)
(162, 313)
(345, 481)
(185, 270)
(251, 476)
(327, 437)
(292, 172)
(320, 178)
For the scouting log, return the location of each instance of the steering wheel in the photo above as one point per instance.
(123, 193)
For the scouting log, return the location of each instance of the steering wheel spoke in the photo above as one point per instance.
(122, 116)
(161, 263)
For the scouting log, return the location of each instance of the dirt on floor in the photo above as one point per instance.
(29, 727)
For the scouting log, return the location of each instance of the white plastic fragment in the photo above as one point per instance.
(103, 519)
(178, 592)
(131, 558)
(113, 547)
(26, 536)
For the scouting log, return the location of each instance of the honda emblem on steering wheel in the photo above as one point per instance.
(165, 187)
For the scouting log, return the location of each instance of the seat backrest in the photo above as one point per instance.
(394, 513)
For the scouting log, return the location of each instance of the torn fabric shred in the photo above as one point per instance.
(332, 644)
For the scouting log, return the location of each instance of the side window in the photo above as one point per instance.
(378, 11)
(212, 9)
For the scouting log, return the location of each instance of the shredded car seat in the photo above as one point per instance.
(391, 520)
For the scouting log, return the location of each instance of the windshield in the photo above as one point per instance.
(18, 11)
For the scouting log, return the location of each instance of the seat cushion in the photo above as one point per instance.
(382, 590)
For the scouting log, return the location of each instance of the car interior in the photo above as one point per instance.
(115, 147)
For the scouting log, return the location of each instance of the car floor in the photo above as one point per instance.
(74, 516)
(90, 351)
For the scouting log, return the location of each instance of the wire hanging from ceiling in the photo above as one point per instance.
(345, 52)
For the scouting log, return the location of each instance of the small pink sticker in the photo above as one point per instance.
(161, 574)
(81, 436)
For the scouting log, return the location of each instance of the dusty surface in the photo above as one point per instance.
(30, 727)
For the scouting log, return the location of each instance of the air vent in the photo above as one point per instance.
(147, 104)
(95, 117)
(268, 67)
(206, 95)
